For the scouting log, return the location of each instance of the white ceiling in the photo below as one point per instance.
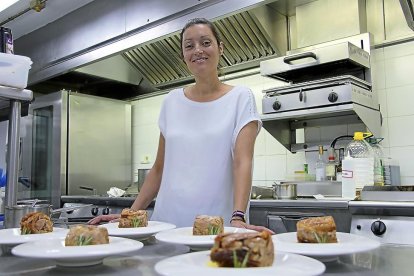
(33, 20)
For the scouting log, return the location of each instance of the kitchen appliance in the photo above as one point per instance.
(14, 214)
(329, 84)
(74, 140)
(389, 222)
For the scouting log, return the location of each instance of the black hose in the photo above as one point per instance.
(340, 137)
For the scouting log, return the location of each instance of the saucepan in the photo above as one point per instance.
(285, 191)
(14, 214)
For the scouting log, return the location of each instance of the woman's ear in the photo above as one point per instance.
(221, 48)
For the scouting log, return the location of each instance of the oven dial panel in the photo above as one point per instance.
(386, 229)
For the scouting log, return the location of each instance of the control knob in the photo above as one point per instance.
(277, 105)
(378, 228)
(105, 211)
(332, 97)
(94, 211)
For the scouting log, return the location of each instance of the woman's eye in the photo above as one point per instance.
(207, 43)
(188, 46)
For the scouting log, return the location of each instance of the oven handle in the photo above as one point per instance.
(289, 59)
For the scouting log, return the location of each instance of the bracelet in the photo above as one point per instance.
(237, 218)
(238, 215)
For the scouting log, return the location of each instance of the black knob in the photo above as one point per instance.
(94, 211)
(332, 97)
(277, 105)
(378, 228)
(105, 211)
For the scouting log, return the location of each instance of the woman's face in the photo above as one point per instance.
(200, 49)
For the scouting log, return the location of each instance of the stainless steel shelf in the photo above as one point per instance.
(11, 100)
(8, 95)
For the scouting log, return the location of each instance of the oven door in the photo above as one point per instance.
(282, 222)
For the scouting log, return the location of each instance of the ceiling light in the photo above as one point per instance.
(4, 4)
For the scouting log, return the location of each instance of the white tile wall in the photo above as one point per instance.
(393, 80)
(398, 126)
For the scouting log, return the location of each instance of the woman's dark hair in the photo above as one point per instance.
(196, 21)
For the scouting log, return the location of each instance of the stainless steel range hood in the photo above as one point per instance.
(408, 10)
(249, 37)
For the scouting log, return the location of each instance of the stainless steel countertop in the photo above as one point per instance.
(127, 201)
(386, 260)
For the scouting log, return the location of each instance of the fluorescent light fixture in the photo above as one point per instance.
(4, 4)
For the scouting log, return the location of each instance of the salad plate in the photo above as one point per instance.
(138, 232)
(12, 236)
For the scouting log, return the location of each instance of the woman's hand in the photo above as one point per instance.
(104, 218)
(241, 224)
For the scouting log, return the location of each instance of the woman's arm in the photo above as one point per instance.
(242, 172)
(242, 165)
(149, 189)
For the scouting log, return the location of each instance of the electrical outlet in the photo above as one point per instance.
(146, 159)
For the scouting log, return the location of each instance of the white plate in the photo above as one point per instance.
(12, 236)
(139, 232)
(347, 244)
(196, 263)
(55, 249)
(185, 236)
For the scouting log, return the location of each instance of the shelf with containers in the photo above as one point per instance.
(14, 71)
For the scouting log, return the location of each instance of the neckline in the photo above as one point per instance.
(209, 102)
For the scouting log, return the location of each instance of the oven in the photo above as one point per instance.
(384, 215)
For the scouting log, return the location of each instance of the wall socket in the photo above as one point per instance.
(145, 159)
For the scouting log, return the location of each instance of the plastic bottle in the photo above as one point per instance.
(339, 165)
(378, 161)
(358, 165)
(320, 166)
(331, 166)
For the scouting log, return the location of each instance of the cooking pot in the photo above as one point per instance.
(285, 191)
(14, 214)
(142, 174)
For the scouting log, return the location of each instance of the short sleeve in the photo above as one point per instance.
(162, 117)
(246, 113)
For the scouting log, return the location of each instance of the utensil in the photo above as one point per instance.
(285, 191)
(14, 214)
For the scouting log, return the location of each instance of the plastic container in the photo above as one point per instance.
(357, 166)
(14, 70)
(378, 161)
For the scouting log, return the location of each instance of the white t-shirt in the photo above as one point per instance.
(199, 142)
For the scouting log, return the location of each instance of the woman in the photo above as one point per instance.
(205, 152)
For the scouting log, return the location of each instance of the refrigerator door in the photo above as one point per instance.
(99, 144)
(44, 148)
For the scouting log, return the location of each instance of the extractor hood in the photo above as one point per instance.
(249, 37)
(408, 10)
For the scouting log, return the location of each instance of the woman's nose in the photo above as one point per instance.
(198, 49)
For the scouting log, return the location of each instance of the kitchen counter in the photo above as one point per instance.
(265, 203)
(386, 260)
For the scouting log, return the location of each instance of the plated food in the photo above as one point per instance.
(243, 250)
(35, 223)
(317, 230)
(208, 225)
(133, 219)
(75, 256)
(81, 235)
